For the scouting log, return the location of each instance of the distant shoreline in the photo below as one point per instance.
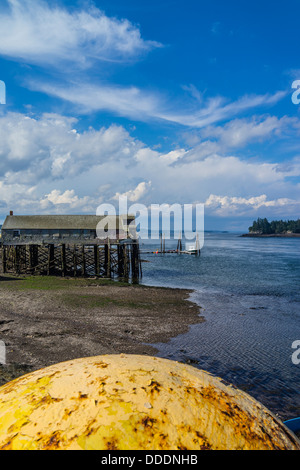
(271, 235)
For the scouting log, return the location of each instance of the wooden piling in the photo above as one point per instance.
(97, 260)
(179, 244)
(63, 260)
(133, 267)
(120, 260)
(135, 262)
(126, 273)
(140, 263)
(108, 273)
(17, 259)
(198, 245)
(120, 249)
(4, 260)
(75, 261)
(31, 259)
(50, 260)
(83, 261)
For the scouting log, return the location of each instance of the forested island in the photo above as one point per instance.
(276, 228)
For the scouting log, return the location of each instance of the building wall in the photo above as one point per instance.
(48, 236)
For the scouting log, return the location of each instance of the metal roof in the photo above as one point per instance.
(57, 222)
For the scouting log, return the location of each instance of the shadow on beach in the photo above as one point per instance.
(2, 278)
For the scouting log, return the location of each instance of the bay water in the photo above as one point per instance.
(248, 290)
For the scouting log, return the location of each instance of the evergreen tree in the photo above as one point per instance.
(263, 226)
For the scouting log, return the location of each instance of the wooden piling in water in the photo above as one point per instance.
(179, 244)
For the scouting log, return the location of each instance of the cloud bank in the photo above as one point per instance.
(37, 33)
(47, 165)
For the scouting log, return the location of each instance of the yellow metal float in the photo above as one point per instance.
(133, 403)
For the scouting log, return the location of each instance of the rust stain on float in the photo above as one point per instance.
(141, 403)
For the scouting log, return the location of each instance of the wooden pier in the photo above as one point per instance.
(196, 250)
(119, 260)
(168, 252)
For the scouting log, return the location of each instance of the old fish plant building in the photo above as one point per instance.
(69, 245)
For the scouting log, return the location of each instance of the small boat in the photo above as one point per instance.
(192, 250)
(195, 248)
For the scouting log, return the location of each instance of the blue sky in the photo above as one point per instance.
(162, 101)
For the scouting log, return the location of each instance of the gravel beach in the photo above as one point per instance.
(44, 321)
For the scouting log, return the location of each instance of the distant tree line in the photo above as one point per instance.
(263, 226)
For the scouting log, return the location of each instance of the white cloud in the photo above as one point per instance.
(134, 195)
(50, 147)
(218, 109)
(225, 206)
(68, 198)
(40, 33)
(138, 104)
(48, 165)
(131, 102)
(239, 132)
(36, 32)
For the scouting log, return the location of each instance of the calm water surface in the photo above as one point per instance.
(248, 291)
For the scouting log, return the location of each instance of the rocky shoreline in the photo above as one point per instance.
(44, 321)
(271, 235)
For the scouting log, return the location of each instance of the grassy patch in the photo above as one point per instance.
(51, 283)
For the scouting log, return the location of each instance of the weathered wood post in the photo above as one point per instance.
(83, 261)
(132, 260)
(75, 261)
(198, 245)
(97, 260)
(35, 255)
(135, 262)
(17, 259)
(105, 258)
(31, 259)
(140, 262)
(179, 244)
(63, 260)
(50, 259)
(120, 260)
(126, 273)
(4, 259)
(108, 259)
